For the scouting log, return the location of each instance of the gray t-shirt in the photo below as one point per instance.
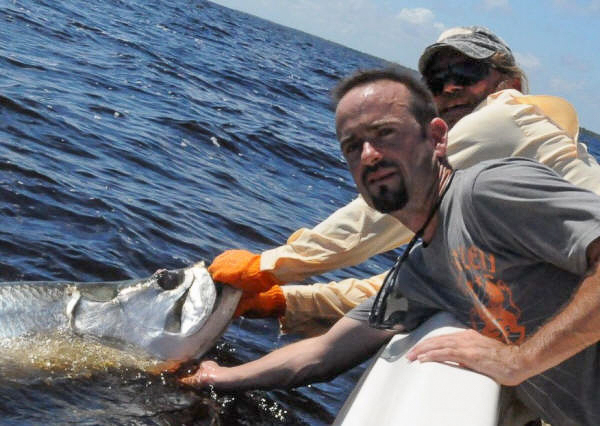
(509, 251)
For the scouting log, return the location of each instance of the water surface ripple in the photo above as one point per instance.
(147, 134)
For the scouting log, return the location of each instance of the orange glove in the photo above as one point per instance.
(270, 303)
(241, 269)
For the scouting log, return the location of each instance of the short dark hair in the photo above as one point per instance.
(421, 104)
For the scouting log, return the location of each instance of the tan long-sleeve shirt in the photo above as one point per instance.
(506, 124)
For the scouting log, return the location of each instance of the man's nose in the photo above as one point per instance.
(370, 155)
(451, 86)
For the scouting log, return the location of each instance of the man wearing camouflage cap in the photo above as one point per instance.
(478, 90)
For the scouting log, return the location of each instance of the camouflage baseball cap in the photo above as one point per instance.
(475, 42)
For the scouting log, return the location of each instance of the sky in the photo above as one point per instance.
(556, 42)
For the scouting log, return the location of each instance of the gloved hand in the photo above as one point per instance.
(241, 269)
(270, 303)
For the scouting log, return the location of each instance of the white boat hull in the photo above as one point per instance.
(394, 391)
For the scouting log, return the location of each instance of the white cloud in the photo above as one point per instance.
(575, 63)
(562, 3)
(423, 18)
(578, 6)
(565, 86)
(496, 4)
(528, 61)
(439, 27)
(416, 16)
(391, 32)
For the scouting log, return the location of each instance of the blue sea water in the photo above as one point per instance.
(137, 135)
(147, 134)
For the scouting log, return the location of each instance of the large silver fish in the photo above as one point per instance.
(170, 316)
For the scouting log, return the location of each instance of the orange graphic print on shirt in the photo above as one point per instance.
(494, 312)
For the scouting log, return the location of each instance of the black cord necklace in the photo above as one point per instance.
(379, 317)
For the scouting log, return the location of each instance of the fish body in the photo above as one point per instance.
(169, 316)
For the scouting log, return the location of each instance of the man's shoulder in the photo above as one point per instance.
(516, 104)
(504, 168)
(504, 176)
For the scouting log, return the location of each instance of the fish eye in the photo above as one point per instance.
(167, 280)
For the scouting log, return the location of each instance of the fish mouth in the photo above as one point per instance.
(172, 316)
(185, 298)
(205, 300)
(197, 302)
(203, 312)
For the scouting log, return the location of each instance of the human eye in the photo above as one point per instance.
(385, 131)
(350, 147)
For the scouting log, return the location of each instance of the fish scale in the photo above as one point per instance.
(29, 307)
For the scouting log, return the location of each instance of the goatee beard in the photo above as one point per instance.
(385, 199)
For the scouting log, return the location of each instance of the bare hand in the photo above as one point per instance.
(206, 374)
(503, 363)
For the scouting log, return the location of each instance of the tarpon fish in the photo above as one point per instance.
(170, 316)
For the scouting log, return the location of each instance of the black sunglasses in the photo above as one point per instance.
(462, 73)
(387, 311)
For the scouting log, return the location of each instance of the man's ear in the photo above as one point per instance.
(510, 83)
(438, 129)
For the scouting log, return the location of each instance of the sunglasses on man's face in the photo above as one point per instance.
(462, 73)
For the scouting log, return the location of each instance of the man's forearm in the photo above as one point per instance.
(572, 330)
(313, 309)
(345, 345)
(348, 237)
(293, 365)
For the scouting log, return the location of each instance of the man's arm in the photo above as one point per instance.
(348, 343)
(313, 309)
(573, 329)
(348, 237)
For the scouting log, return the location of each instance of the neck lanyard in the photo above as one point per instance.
(379, 317)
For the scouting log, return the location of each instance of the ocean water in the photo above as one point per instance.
(149, 134)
